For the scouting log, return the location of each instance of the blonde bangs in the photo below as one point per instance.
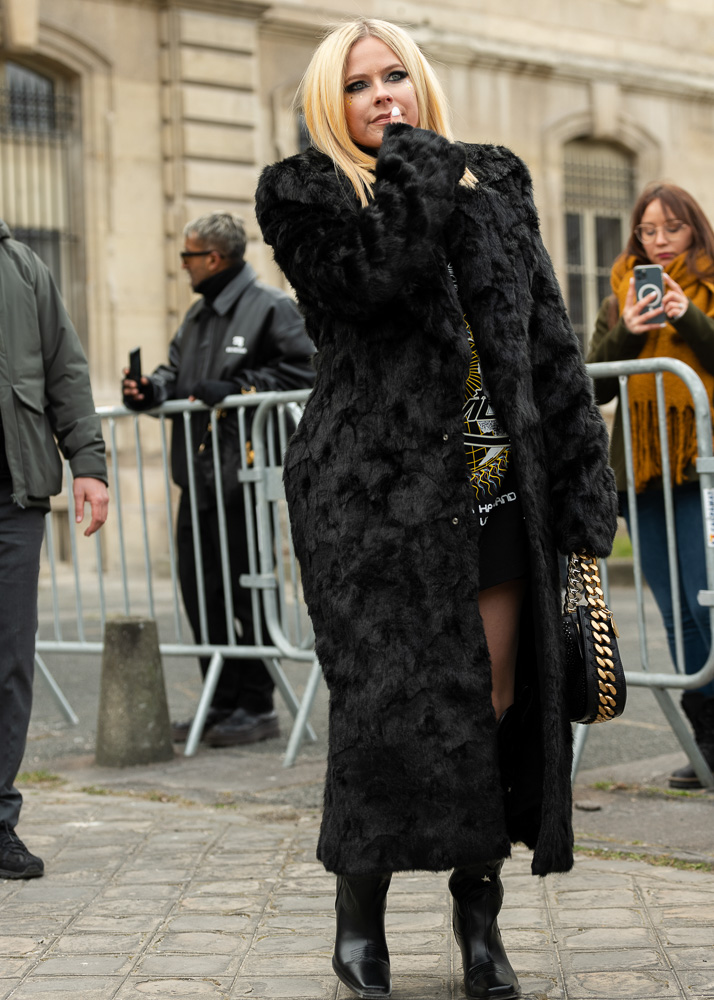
(321, 95)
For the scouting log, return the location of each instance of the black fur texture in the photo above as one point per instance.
(381, 508)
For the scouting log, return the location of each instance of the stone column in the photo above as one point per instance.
(20, 24)
(210, 110)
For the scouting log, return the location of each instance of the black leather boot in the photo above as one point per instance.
(361, 959)
(478, 894)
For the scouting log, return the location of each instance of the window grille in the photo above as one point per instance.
(37, 130)
(599, 186)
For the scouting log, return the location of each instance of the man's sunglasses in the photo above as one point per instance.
(185, 254)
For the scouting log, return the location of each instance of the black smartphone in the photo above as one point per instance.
(648, 279)
(135, 365)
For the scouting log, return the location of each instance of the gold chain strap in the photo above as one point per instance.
(583, 587)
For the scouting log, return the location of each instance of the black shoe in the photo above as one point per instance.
(699, 709)
(15, 860)
(243, 727)
(180, 730)
(686, 777)
(478, 894)
(361, 959)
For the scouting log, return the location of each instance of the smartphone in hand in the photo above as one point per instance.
(648, 279)
(135, 365)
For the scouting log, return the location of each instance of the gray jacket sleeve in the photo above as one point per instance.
(71, 409)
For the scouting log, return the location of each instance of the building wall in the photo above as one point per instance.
(183, 102)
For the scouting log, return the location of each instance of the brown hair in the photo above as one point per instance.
(677, 204)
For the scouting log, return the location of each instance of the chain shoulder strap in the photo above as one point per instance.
(583, 588)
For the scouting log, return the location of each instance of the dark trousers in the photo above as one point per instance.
(21, 533)
(243, 683)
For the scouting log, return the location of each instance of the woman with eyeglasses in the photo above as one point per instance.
(450, 447)
(668, 228)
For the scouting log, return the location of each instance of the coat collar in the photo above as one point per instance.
(224, 302)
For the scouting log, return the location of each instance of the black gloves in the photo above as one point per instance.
(211, 391)
(147, 391)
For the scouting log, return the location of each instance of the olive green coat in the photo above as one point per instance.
(44, 382)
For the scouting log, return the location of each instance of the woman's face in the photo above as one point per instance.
(662, 235)
(376, 82)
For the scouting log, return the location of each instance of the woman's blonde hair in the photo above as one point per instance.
(321, 97)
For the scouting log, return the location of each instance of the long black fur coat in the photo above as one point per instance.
(381, 506)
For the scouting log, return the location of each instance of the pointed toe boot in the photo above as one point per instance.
(478, 894)
(361, 959)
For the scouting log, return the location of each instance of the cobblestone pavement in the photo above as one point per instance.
(170, 899)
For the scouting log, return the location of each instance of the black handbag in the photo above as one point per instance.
(595, 679)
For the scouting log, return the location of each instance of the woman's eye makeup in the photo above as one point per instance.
(395, 76)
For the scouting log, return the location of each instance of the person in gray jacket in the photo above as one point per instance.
(45, 395)
(240, 336)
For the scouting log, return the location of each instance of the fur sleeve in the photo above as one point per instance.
(348, 261)
(583, 494)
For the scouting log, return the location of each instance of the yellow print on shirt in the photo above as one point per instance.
(487, 444)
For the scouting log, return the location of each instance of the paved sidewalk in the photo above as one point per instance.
(170, 899)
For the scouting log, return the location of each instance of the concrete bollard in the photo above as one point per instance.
(133, 725)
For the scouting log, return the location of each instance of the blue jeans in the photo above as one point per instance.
(691, 566)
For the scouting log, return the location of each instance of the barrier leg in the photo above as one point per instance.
(289, 697)
(683, 734)
(204, 703)
(56, 690)
(581, 735)
(303, 715)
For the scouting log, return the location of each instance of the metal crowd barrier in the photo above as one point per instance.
(661, 683)
(140, 533)
(273, 575)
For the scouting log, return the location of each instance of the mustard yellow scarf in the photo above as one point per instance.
(665, 342)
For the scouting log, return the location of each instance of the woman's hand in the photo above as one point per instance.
(636, 313)
(675, 303)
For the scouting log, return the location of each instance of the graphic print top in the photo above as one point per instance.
(488, 447)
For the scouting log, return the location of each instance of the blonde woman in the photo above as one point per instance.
(450, 448)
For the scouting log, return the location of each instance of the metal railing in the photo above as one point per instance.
(138, 542)
(660, 683)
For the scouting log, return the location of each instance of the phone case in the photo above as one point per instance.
(648, 278)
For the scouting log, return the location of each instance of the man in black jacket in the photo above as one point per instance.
(241, 336)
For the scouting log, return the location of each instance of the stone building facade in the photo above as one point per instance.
(139, 114)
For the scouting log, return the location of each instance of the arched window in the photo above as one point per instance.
(38, 128)
(599, 194)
